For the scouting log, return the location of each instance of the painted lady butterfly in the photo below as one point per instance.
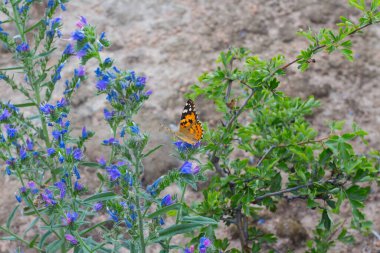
(190, 128)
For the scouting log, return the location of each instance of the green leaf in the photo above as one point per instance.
(91, 164)
(325, 220)
(358, 193)
(31, 104)
(164, 210)
(175, 230)
(10, 218)
(12, 68)
(54, 246)
(103, 196)
(201, 220)
(152, 150)
(85, 231)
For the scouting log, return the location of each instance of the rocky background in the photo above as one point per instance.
(173, 42)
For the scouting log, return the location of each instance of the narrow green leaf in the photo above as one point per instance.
(11, 68)
(43, 238)
(164, 210)
(34, 26)
(152, 150)
(55, 246)
(103, 196)
(31, 104)
(175, 230)
(91, 165)
(31, 225)
(85, 231)
(199, 220)
(10, 218)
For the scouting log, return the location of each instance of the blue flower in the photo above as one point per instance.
(77, 154)
(187, 168)
(47, 109)
(62, 189)
(111, 141)
(78, 186)
(62, 103)
(61, 158)
(113, 172)
(152, 189)
(8, 170)
(48, 198)
(50, 151)
(82, 22)
(148, 93)
(32, 187)
(184, 146)
(57, 75)
(70, 218)
(204, 243)
(189, 250)
(71, 239)
(23, 47)
(162, 221)
(135, 129)
(29, 144)
(98, 206)
(108, 62)
(102, 161)
(78, 35)
(76, 172)
(69, 50)
(84, 133)
(108, 115)
(140, 82)
(11, 132)
(102, 84)
(23, 154)
(128, 223)
(166, 200)
(5, 115)
(84, 50)
(122, 132)
(113, 215)
(80, 72)
(18, 198)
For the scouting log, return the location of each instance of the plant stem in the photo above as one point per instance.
(138, 207)
(19, 238)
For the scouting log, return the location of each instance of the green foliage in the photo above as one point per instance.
(266, 150)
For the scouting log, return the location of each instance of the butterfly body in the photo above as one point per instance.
(190, 128)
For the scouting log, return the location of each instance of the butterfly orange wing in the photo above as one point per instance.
(190, 128)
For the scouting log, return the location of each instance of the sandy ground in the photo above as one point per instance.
(173, 42)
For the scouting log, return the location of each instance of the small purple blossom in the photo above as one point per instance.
(62, 189)
(204, 243)
(8, 170)
(82, 22)
(29, 144)
(48, 198)
(47, 109)
(18, 198)
(111, 141)
(189, 250)
(184, 146)
(128, 223)
(84, 133)
(78, 186)
(33, 188)
(77, 154)
(102, 84)
(23, 154)
(76, 172)
(11, 132)
(135, 129)
(69, 50)
(108, 115)
(152, 189)
(50, 151)
(113, 173)
(78, 35)
(148, 93)
(113, 215)
(80, 71)
(71, 239)
(61, 103)
(5, 115)
(61, 158)
(23, 47)
(187, 168)
(166, 200)
(98, 206)
(102, 161)
(84, 50)
(70, 218)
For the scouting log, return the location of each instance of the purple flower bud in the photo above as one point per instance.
(102, 161)
(77, 154)
(82, 22)
(166, 200)
(23, 154)
(69, 50)
(18, 198)
(29, 144)
(78, 35)
(98, 206)
(80, 72)
(113, 215)
(5, 115)
(71, 239)
(113, 173)
(33, 188)
(23, 47)
(50, 151)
